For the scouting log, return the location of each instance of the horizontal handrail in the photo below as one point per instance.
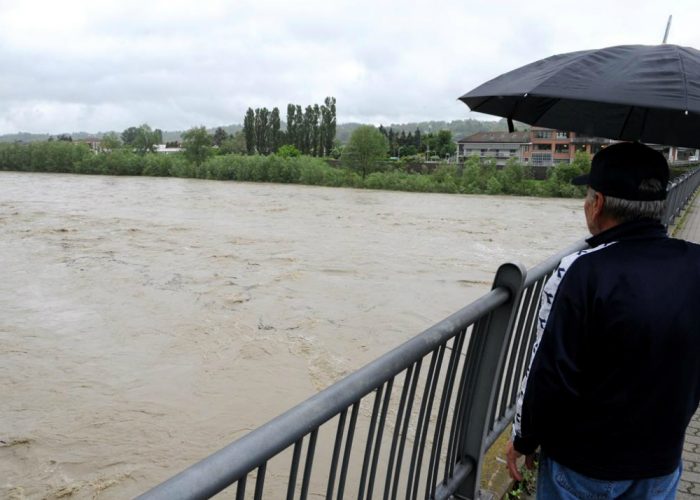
(226, 466)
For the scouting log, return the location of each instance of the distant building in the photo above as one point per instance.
(95, 143)
(164, 149)
(541, 147)
(500, 146)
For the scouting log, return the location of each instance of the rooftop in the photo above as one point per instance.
(501, 137)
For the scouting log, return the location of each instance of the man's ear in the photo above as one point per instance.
(598, 203)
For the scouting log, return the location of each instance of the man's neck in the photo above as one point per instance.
(603, 224)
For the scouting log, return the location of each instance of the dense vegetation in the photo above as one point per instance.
(287, 166)
(311, 131)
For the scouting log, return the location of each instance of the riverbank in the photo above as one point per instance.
(470, 177)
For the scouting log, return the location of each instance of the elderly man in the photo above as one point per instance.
(615, 375)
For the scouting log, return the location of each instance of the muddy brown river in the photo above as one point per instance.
(145, 323)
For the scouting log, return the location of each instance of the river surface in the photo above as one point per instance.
(145, 322)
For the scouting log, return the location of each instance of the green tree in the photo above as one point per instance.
(365, 149)
(291, 125)
(249, 130)
(307, 131)
(299, 127)
(129, 135)
(328, 125)
(146, 140)
(316, 146)
(288, 151)
(142, 139)
(219, 136)
(262, 116)
(197, 144)
(274, 132)
(234, 144)
(445, 146)
(582, 161)
(110, 141)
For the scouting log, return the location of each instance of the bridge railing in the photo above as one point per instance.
(415, 423)
(680, 190)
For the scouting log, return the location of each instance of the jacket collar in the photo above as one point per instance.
(637, 229)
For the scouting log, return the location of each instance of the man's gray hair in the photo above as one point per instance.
(626, 210)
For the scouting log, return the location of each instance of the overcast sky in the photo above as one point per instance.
(98, 65)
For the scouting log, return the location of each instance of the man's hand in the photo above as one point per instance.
(512, 456)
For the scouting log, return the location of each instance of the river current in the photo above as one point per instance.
(146, 322)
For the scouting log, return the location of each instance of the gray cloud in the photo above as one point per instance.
(78, 65)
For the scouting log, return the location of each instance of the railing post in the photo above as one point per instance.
(490, 342)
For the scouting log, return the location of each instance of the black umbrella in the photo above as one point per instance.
(629, 92)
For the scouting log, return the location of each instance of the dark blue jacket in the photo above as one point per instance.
(616, 375)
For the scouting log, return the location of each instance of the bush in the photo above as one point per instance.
(117, 162)
(288, 151)
(220, 167)
(282, 169)
(160, 165)
(494, 186)
(54, 156)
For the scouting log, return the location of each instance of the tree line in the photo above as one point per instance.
(311, 131)
(436, 145)
(471, 177)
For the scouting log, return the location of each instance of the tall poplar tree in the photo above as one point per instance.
(249, 130)
(262, 116)
(274, 133)
(330, 125)
(315, 131)
(299, 116)
(291, 125)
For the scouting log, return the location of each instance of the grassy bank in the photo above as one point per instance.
(469, 178)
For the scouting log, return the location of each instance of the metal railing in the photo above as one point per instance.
(680, 190)
(415, 423)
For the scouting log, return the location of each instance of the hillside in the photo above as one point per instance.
(459, 129)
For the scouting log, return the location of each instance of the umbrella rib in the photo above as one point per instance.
(685, 78)
(644, 122)
(627, 118)
(584, 53)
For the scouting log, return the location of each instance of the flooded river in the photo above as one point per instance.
(145, 323)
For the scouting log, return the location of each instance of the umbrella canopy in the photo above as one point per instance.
(629, 92)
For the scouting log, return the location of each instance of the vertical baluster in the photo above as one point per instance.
(370, 438)
(291, 486)
(348, 449)
(260, 482)
(395, 437)
(380, 433)
(457, 425)
(336, 453)
(424, 420)
(445, 399)
(308, 465)
(240, 488)
(404, 428)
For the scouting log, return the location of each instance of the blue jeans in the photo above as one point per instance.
(554, 481)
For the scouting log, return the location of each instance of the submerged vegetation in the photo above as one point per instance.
(470, 177)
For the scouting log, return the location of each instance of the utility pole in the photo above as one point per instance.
(668, 28)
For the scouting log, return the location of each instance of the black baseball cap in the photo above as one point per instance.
(621, 169)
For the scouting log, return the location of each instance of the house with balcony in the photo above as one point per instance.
(539, 147)
(499, 146)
